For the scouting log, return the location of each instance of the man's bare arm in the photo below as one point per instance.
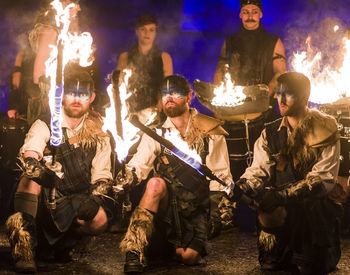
(47, 37)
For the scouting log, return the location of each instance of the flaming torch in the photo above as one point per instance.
(116, 120)
(68, 47)
(123, 132)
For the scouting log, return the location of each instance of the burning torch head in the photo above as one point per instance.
(296, 85)
(79, 84)
(243, 3)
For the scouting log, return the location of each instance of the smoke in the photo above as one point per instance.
(316, 21)
(15, 23)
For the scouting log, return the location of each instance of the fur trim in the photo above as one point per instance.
(139, 230)
(267, 241)
(207, 124)
(195, 138)
(318, 127)
(28, 170)
(91, 132)
(314, 131)
(19, 238)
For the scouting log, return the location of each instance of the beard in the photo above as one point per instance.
(295, 109)
(176, 110)
(74, 113)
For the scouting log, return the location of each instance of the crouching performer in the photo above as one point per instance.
(294, 173)
(175, 197)
(70, 201)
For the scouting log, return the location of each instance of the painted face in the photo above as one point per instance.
(79, 94)
(76, 102)
(250, 15)
(287, 102)
(174, 101)
(173, 93)
(146, 34)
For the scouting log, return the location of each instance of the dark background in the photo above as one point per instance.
(192, 31)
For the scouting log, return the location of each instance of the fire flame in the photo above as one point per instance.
(227, 94)
(130, 132)
(175, 138)
(327, 84)
(75, 47)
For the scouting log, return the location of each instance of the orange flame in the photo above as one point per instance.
(327, 84)
(175, 138)
(227, 94)
(130, 132)
(75, 47)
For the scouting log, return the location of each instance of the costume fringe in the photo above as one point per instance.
(90, 135)
(20, 239)
(304, 155)
(305, 185)
(267, 241)
(139, 230)
(195, 138)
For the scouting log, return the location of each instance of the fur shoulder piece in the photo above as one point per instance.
(208, 125)
(91, 132)
(320, 129)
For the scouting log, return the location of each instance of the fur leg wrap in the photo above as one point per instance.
(267, 241)
(139, 230)
(21, 232)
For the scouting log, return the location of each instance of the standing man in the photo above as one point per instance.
(175, 197)
(148, 63)
(21, 83)
(44, 34)
(68, 201)
(253, 55)
(294, 176)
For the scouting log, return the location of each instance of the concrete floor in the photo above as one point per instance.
(232, 252)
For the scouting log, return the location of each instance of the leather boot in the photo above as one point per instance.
(132, 263)
(136, 240)
(21, 231)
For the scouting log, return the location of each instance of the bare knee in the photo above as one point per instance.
(156, 187)
(97, 225)
(28, 186)
(189, 256)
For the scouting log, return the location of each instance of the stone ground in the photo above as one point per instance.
(233, 252)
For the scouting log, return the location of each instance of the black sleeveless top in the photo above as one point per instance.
(146, 78)
(249, 55)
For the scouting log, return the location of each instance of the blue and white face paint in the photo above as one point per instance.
(77, 92)
(284, 94)
(172, 91)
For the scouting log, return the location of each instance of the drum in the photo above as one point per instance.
(340, 110)
(242, 136)
(12, 134)
(344, 169)
(240, 141)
